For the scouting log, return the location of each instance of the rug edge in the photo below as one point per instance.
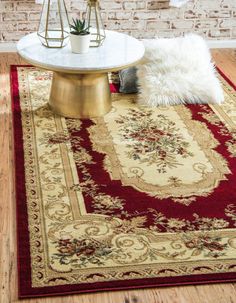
(230, 82)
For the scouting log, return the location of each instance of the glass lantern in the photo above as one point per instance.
(94, 21)
(54, 27)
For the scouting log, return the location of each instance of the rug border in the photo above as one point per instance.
(230, 82)
(25, 290)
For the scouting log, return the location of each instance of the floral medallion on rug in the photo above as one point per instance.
(141, 197)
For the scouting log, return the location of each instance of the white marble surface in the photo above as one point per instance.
(117, 51)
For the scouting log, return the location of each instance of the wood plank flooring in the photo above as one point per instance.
(216, 293)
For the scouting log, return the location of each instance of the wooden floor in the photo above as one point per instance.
(217, 293)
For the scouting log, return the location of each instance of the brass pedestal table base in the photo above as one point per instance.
(80, 95)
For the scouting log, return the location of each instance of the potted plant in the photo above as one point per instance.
(79, 37)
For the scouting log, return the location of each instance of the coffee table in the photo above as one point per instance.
(80, 86)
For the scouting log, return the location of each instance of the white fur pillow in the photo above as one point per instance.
(178, 71)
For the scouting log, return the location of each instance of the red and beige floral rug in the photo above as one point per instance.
(138, 198)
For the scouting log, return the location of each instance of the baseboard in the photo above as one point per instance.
(11, 47)
(222, 43)
(7, 47)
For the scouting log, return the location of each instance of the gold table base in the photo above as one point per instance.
(80, 95)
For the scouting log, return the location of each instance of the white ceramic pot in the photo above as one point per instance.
(80, 43)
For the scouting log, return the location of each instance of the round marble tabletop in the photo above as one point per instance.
(117, 52)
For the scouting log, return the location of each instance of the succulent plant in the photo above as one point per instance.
(79, 27)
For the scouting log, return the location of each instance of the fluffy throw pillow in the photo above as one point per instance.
(178, 71)
(128, 80)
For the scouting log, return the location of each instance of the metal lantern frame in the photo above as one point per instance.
(46, 39)
(99, 35)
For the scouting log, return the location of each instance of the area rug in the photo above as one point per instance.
(141, 197)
